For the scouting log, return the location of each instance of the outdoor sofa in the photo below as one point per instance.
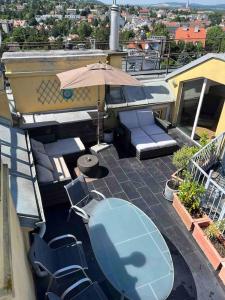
(51, 169)
(145, 134)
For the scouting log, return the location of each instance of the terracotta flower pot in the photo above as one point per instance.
(207, 247)
(222, 272)
(187, 219)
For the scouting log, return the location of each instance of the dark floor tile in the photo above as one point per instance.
(156, 173)
(105, 191)
(129, 190)
(152, 184)
(148, 196)
(99, 183)
(182, 239)
(111, 161)
(126, 166)
(119, 174)
(162, 215)
(121, 195)
(136, 179)
(113, 185)
(139, 202)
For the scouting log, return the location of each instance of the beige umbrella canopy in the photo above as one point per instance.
(95, 75)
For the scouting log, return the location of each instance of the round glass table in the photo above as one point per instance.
(131, 251)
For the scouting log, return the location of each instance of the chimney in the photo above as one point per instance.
(114, 28)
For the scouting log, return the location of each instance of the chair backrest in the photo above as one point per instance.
(129, 118)
(145, 117)
(78, 192)
(41, 256)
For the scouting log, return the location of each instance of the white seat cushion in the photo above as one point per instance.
(141, 141)
(61, 171)
(152, 129)
(163, 140)
(129, 118)
(64, 146)
(145, 117)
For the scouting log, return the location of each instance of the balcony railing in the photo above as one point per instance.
(213, 154)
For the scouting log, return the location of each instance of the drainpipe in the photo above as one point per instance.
(204, 86)
(114, 28)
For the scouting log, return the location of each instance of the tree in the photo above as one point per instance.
(84, 30)
(161, 30)
(95, 23)
(215, 39)
(102, 34)
(32, 22)
(127, 35)
(215, 18)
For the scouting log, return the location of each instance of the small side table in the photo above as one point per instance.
(88, 164)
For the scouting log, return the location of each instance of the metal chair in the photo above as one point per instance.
(91, 290)
(57, 262)
(81, 199)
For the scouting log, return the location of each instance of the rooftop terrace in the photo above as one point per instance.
(141, 183)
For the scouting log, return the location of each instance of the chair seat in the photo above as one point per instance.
(70, 255)
(141, 141)
(92, 292)
(163, 140)
(64, 146)
(152, 129)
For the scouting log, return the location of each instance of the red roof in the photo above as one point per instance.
(191, 34)
(144, 11)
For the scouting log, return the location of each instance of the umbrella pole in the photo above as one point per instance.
(98, 122)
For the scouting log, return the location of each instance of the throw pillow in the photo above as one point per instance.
(44, 175)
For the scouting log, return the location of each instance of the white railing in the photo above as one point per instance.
(213, 201)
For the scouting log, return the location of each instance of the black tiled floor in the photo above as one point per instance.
(142, 183)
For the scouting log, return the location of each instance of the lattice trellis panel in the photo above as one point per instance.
(49, 92)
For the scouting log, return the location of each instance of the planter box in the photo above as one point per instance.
(184, 214)
(222, 273)
(207, 247)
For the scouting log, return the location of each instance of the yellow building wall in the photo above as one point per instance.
(213, 69)
(16, 281)
(4, 107)
(36, 88)
(221, 125)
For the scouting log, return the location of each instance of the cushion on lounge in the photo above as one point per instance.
(44, 175)
(38, 146)
(64, 146)
(152, 129)
(163, 140)
(129, 118)
(145, 117)
(141, 141)
(43, 160)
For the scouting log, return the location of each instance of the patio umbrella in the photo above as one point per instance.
(99, 74)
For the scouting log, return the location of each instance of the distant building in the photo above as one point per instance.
(191, 34)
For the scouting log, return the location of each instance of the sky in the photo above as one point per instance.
(167, 1)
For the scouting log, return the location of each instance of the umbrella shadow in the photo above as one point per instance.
(114, 266)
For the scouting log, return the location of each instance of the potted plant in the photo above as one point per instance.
(209, 238)
(181, 160)
(171, 187)
(187, 202)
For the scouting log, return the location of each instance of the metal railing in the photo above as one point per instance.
(213, 201)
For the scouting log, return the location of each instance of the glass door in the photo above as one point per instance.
(188, 105)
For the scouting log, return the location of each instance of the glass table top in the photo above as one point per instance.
(131, 251)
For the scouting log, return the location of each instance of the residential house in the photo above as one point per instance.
(191, 35)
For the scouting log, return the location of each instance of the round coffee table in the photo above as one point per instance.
(88, 164)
